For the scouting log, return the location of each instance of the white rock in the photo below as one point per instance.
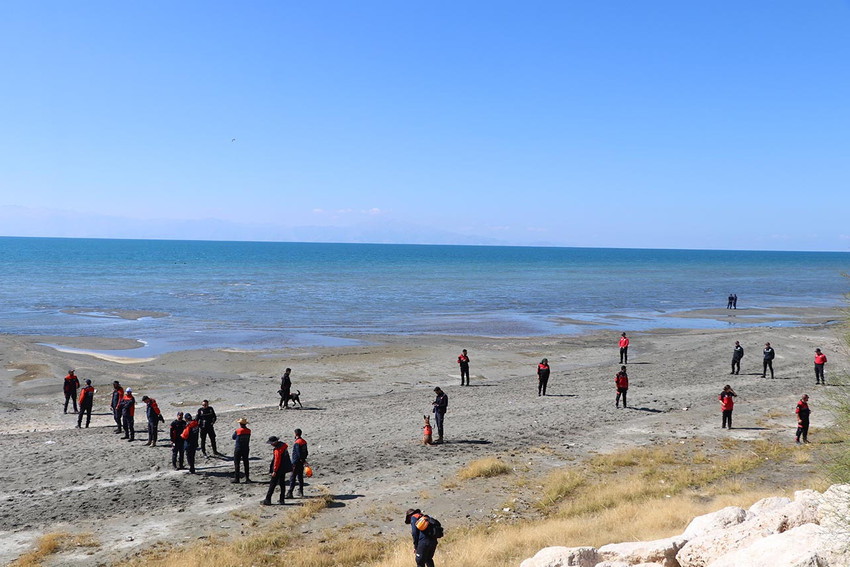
(613, 564)
(834, 509)
(563, 557)
(661, 551)
(803, 546)
(701, 525)
(769, 504)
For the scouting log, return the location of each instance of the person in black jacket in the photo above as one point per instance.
(737, 355)
(285, 389)
(769, 355)
(69, 388)
(190, 441)
(206, 418)
(241, 449)
(86, 403)
(177, 445)
(441, 404)
(424, 545)
(299, 459)
(114, 405)
(280, 465)
(542, 376)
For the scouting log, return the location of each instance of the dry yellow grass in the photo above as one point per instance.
(484, 468)
(52, 543)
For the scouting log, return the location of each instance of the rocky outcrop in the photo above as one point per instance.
(813, 529)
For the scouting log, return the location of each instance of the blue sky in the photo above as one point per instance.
(699, 124)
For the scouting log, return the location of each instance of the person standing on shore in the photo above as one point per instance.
(441, 404)
(86, 403)
(178, 449)
(241, 450)
(190, 441)
(726, 404)
(820, 360)
(803, 413)
(737, 355)
(280, 465)
(542, 376)
(69, 388)
(463, 361)
(154, 417)
(424, 540)
(128, 412)
(285, 389)
(734, 301)
(624, 349)
(621, 380)
(206, 418)
(769, 355)
(299, 459)
(117, 396)
(729, 301)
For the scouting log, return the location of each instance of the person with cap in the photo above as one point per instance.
(621, 380)
(769, 355)
(803, 413)
(727, 404)
(737, 355)
(542, 376)
(820, 360)
(190, 440)
(280, 465)
(128, 412)
(241, 449)
(117, 395)
(624, 349)
(86, 403)
(178, 449)
(154, 417)
(463, 361)
(285, 389)
(440, 405)
(299, 459)
(207, 418)
(424, 543)
(69, 388)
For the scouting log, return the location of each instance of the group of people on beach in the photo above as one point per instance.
(732, 301)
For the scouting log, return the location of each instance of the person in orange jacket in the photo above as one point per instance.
(128, 412)
(86, 403)
(69, 388)
(190, 440)
(621, 380)
(624, 349)
(803, 413)
(154, 417)
(727, 403)
(820, 360)
(115, 404)
(280, 465)
(241, 449)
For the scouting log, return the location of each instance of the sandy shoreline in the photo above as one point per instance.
(362, 417)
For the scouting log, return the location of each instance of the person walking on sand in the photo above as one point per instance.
(280, 465)
(69, 388)
(190, 440)
(803, 413)
(463, 361)
(424, 540)
(86, 403)
(207, 418)
(820, 360)
(769, 355)
(726, 404)
(737, 355)
(114, 405)
(154, 417)
(241, 450)
(542, 376)
(621, 380)
(178, 448)
(441, 404)
(128, 412)
(624, 349)
(299, 459)
(285, 389)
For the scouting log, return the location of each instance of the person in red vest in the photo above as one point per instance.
(154, 417)
(241, 449)
(803, 413)
(86, 403)
(463, 361)
(542, 376)
(190, 440)
(128, 412)
(820, 360)
(280, 465)
(114, 405)
(622, 382)
(299, 459)
(727, 402)
(69, 387)
(624, 349)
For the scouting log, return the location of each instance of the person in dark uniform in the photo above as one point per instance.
(729, 301)
(542, 376)
(206, 418)
(114, 405)
(86, 403)
(128, 412)
(769, 355)
(190, 440)
(154, 417)
(803, 413)
(734, 301)
(285, 389)
(69, 388)
(737, 355)
(621, 380)
(441, 404)
(299, 459)
(424, 545)
(280, 465)
(727, 403)
(820, 360)
(178, 448)
(463, 361)
(241, 450)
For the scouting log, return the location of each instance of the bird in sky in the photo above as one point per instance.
(233, 140)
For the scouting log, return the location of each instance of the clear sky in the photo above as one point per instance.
(670, 124)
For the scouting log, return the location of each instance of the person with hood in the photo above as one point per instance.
(207, 418)
(117, 396)
(542, 376)
(737, 355)
(441, 405)
(621, 380)
(190, 441)
(285, 390)
(280, 465)
(128, 412)
(154, 417)
(69, 388)
(241, 449)
(178, 448)
(86, 403)
(299, 459)
(463, 361)
(424, 543)
(727, 403)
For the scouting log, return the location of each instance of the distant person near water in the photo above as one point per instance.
(803, 413)
(729, 301)
(769, 355)
(621, 380)
(734, 301)
(737, 355)
(727, 403)
(463, 361)
(299, 460)
(542, 376)
(820, 360)
(285, 389)
(624, 349)
(241, 449)
(69, 388)
(425, 531)
(115, 404)
(440, 406)
(86, 403)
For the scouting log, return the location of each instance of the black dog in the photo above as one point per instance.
(293, 397)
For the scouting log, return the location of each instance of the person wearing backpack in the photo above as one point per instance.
(425, 531)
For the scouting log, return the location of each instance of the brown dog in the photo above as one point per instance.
(428, 438)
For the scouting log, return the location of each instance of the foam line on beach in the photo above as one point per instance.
(101, 355)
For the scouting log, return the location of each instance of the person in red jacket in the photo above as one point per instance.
(543, 371)
(463, 361)
(86, 403)
(190, 440)
(154, 417)
(624, 349)
(241, 449)
(820, 360)
(280, 465)
(803, 413)
(622, 382)
(726, 404)
(128, 412)
(69, 388)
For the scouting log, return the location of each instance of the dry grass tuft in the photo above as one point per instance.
(52, 543)
(487, 467)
